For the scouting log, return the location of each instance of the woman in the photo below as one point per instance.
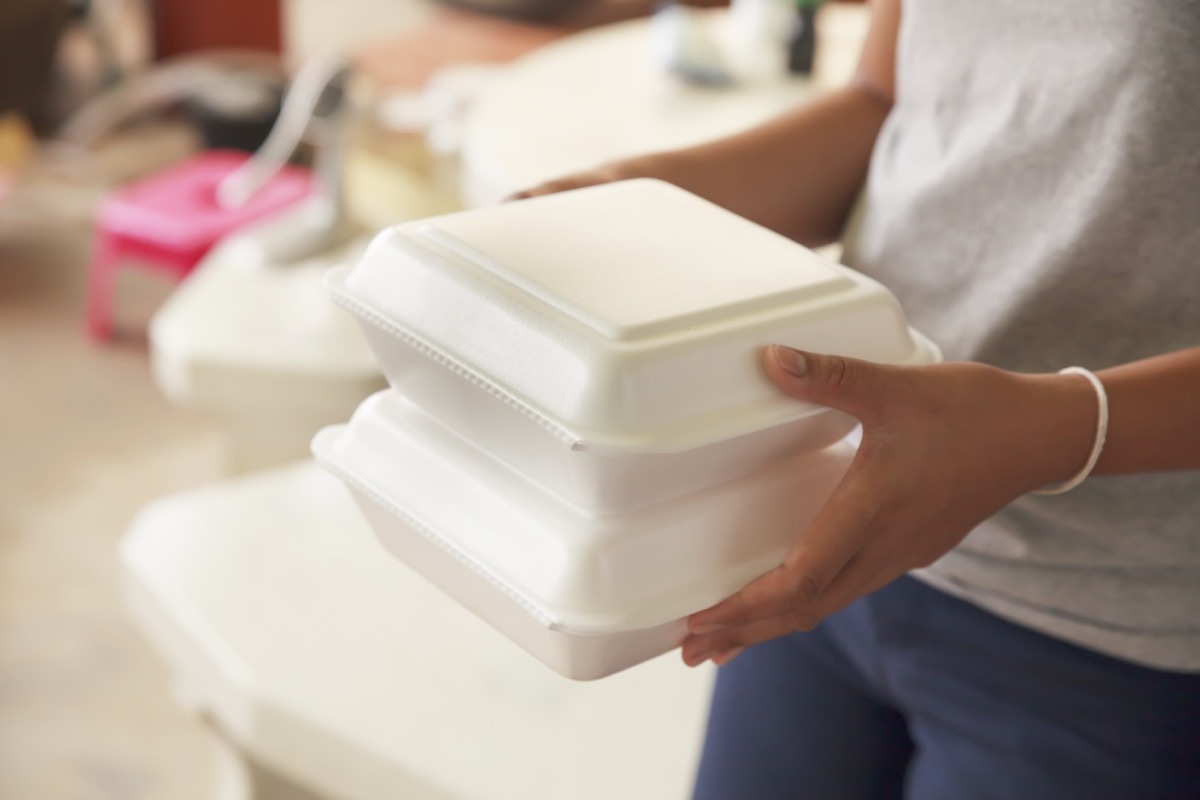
(1025, 176)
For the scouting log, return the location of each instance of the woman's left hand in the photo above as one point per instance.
(944, 447)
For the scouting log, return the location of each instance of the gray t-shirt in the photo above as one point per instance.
(1034, 202)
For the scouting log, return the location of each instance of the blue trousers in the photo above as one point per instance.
(912, 693)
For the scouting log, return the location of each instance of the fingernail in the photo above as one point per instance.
(791, 360)
(700, 659)
(709, 628)
(721, 659)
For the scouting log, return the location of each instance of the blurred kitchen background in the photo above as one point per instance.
(150, 347)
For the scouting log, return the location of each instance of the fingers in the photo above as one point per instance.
(773, 605)
(839, 558)
(578, 180)
(721, 659)
(859, 388)
(794, 596)
(723, 644)
(809, 568)
(823, 571)
(652, 166)
(549, 187)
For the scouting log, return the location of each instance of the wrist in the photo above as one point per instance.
(1064, 421)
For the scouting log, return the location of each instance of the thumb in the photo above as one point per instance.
(846, 384)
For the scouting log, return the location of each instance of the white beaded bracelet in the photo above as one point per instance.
(1101, 432)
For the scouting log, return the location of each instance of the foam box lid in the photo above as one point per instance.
(623, 317)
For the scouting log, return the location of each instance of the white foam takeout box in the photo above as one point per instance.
(588, 594)
(606, 342)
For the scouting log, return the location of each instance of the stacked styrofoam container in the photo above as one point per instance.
(580, 443)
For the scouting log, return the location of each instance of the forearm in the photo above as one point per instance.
(1154, 415)
(798, 174)
(1153, 426)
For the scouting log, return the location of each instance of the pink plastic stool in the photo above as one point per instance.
(170, 220)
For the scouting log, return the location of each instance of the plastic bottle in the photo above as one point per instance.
(802, 43)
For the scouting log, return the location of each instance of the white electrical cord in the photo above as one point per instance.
(1101, 432)
(295, 118)
(160, 86)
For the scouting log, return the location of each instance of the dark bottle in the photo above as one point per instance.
(802, 44)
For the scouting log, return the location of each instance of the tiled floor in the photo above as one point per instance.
(85, 439)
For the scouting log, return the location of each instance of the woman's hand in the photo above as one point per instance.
(944, 447)
(659, 165)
